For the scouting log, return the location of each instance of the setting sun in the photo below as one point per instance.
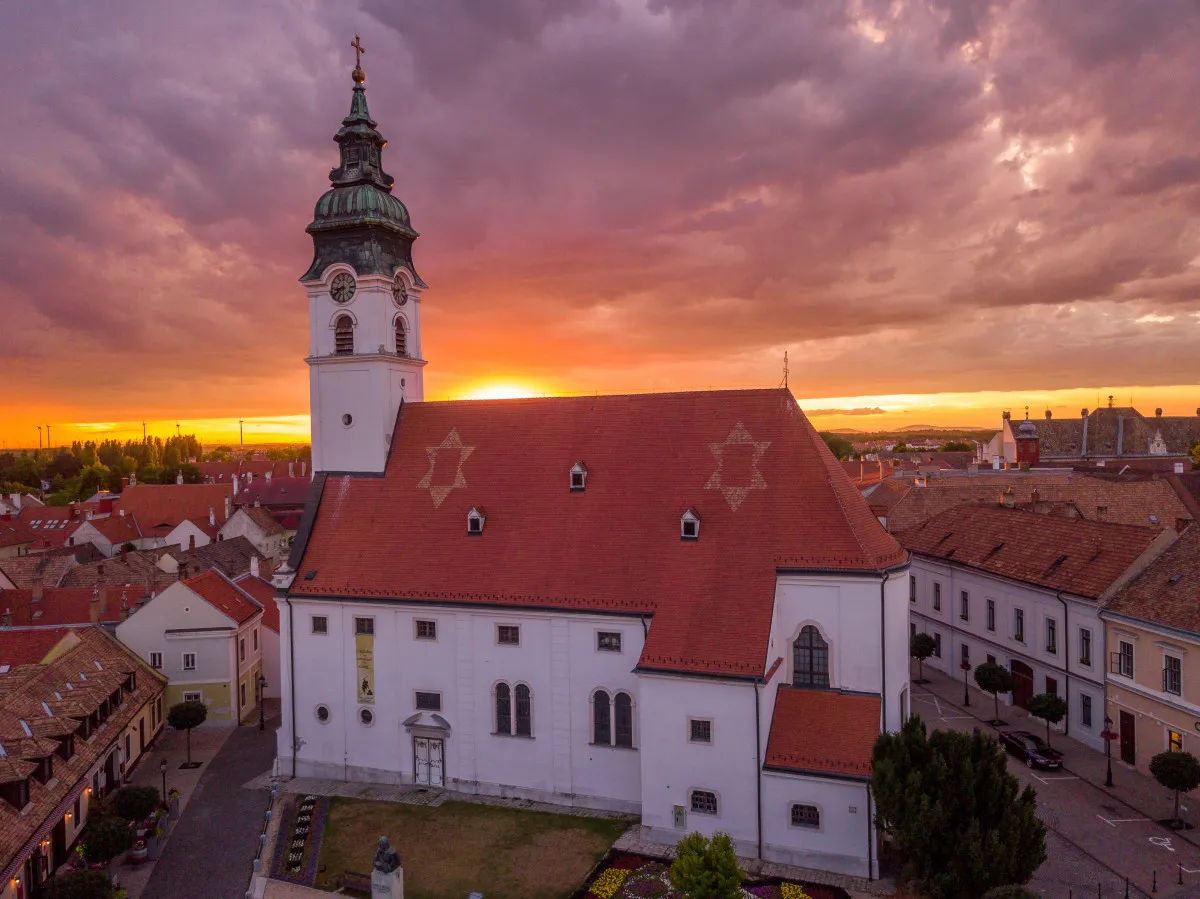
(505, 390)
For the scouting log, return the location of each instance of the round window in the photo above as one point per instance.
(366, 716)
(322, 713)
(347, 419)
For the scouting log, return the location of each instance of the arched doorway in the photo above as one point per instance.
(1022, 690)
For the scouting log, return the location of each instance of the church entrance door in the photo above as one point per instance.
(428, 755)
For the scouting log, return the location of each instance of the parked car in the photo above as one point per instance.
(1033, 749)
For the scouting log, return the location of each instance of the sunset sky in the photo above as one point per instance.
(939, 209)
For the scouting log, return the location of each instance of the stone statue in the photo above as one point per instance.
(386, 859)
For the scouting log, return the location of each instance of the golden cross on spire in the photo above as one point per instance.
(358, 75)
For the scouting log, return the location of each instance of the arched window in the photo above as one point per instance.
(524, 712)
(623, 708)
(401, 337)
(503, 709)
(810, 662)
(343, 336)
(601, 719)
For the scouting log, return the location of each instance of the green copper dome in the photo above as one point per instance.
(360, 204)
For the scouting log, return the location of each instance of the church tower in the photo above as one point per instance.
(364, 301)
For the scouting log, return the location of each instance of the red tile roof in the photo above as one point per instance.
(223, 595)
(264, 593)
(264, 520)
(28, 645)
(769, 493)
(117, 529)
(66, 605)
(15, 533)
(1084, 558)
(279, 492)
(1168, 591)
(156, 505)
(824, 731)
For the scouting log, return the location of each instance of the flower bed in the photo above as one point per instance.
(628, 876)
(299, 841)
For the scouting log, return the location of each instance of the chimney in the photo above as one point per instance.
(73, 511)
(37, 588)
(291, 469)
(237, 482)
(100, 570)
(1110, 401)
(103, 602)
(1049, 415)
(89, 514)
(1006, 415)
(995, 463)
(1008, 499)
(304, 462)
(212, 517)
(133, 480)
(228, 507)
(1083, 412)
(268, 476)
(94, 606)
(124, 483)
(125, 554)
(6, 618)
(254, 566)
(191, 542)
(182, 569)
(179, 477)
(1158, 413)
(1178, 468)
(1036, 496)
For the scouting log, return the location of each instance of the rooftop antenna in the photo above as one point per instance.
(241, 433)
(177, 431)
(785, 369)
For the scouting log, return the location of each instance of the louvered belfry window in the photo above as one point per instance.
(343, 336)
(401, 338)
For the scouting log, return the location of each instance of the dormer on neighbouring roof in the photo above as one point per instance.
(578, 476)
(689, 525)
(475, 520)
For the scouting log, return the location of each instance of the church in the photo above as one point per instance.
(672, 605)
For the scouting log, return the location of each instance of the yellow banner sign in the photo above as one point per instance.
(364, 654)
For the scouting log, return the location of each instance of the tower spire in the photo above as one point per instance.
(358, 75)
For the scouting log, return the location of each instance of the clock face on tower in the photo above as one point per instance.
(399, 294)
(342, 289)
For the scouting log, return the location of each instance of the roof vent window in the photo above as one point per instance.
(689, 525)
(475, 520)
(1175, 578)
(578, 476)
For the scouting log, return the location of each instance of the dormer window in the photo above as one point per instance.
(689, 525)
(578, 476)
(475, 520)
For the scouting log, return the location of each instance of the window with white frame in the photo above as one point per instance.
(508, 634)
(991, 615)
(426, 630)
(1085, 646)
(937, 596)
(1172, 679)
(578, 476)
(475, 521)
(192, 696)
(1174, 741)
(255, 643)
(428, 701)
(364, 627)
(1019, 625)
(514, 710)
(703, 802)
(189, 661)
(1085, 710)
(689, 525)
(1122, 663)
(806, 816)
(1051, 636)
(156, 660)
(320, 624)
(810, 659)
(612, 719)
(964, 607)
(700, 730)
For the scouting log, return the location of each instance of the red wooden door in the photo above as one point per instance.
(1128, 739)
(1022, 683)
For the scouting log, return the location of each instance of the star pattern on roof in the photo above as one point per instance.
(452, 444)
(735, 494)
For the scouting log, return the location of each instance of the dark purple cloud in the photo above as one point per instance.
(613, 194)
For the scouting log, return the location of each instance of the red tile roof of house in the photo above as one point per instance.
(158, 505)
(15, 533)
(54, 525)
(769, 493)
(1083, 558)
(279, 492)
(66, 605)
(824, 731)
(117, 529)
(1168, 591)
(264, 520)
(25, 571)
(264, 593)
(223, 595)
(28, 645)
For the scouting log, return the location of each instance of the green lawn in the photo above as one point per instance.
(461, 846)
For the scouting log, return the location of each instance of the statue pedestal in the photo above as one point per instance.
(390, 886)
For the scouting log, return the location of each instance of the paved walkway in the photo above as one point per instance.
(210, 855)
(1106, 834)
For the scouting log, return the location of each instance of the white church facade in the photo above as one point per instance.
(672, 605)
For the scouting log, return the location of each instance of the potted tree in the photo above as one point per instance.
(994, 679)
(1050, 707)
(1178, 772)
(184, 716)
(921, 647)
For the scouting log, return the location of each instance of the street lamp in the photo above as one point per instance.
(966, 667)
(162, 768)
(1108, 736)
(262, 686)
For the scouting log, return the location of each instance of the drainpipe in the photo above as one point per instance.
(1066, 645)
(292, 679)
(883, 650)
(870, 836)
(758, 763)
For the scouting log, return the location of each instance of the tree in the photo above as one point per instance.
(135, 803)
(994, 679)
(105, 837)
(79, 885)
(1178, 771)
(838, 445)
(1012, 891)
(956, 446)
(1050, 707)
(902, 447)
(921, 647)
(961, 820)
(186, 715)
(707, 869)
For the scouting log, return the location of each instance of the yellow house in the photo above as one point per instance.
(1152, 630)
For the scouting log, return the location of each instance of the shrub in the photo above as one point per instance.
(1177, 771)
(104, 838)
(707, 869)
(1050, 707)
(921, 647)
(134, 803)
(79, 885)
